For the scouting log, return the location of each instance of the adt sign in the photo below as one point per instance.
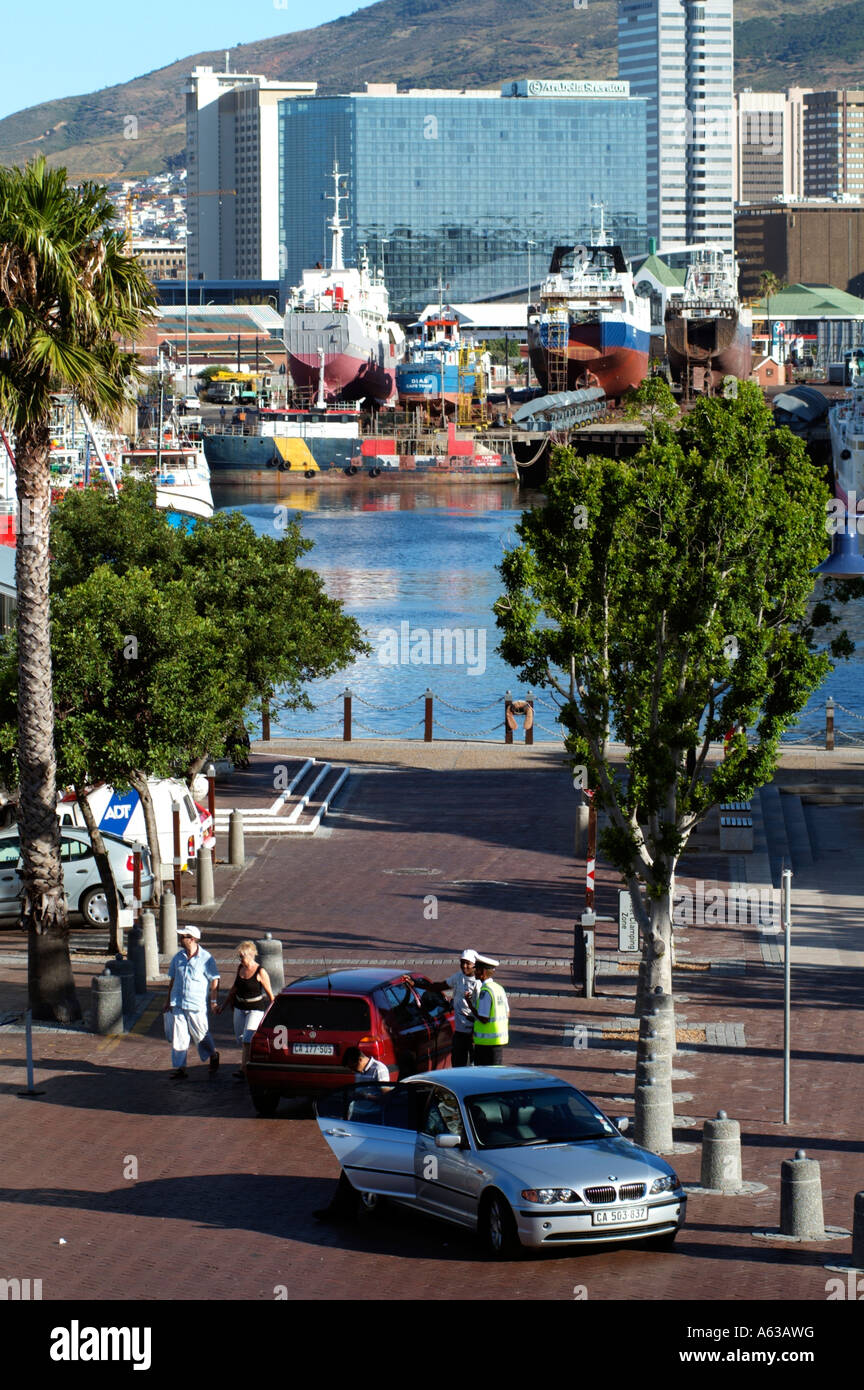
(118, 814)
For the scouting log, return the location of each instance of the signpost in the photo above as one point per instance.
(628, 927)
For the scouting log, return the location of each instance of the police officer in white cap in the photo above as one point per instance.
(464, 986)
(491, 1014)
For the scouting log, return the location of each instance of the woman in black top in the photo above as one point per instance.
(251, 996)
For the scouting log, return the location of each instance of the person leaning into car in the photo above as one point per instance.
(491, 1012)
(365, 1068)
(345, 1202)
(463, 986)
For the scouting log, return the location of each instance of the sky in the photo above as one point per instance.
(61, 49)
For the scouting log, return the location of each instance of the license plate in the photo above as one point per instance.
(619, 1216)
(313, 1049)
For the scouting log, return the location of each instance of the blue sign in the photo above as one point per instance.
(119, 812)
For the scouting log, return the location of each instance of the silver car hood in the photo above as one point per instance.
(590, 1162)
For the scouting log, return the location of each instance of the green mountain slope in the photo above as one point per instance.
(135, 126)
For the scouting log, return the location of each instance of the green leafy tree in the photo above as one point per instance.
(69, 296)
(666, 601)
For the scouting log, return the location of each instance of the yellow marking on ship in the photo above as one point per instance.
(296, 453)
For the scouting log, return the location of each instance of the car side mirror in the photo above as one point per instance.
(622, 1124)
(448, 1141)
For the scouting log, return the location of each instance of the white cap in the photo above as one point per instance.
(189, 931)
(487, 960)
(469, 955)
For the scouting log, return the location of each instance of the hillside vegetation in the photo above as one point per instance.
(134, 126)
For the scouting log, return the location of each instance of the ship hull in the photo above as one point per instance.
(237, 460)
(430, 382)
(720, 344)
(355, 364)
(610, 354)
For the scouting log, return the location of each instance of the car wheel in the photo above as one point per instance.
(497, 1228)
(94, 907)
(265, 1102)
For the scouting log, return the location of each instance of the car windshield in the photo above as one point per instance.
(543, 1115)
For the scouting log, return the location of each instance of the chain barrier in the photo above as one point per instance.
(477, 709)
(385, 733)
(384, 709)
(305, 733)
(849, 711)
(556, 733)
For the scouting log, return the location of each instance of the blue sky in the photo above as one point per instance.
(69, 48)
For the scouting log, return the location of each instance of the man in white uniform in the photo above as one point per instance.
(191, 972)
(464, 987)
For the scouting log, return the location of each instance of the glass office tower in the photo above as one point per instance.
(468, 190)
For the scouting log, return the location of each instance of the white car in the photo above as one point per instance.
(81, 881)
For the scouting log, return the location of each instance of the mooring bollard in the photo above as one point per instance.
(204, 878)
(107, 1003)
(270, 956)
(135, 952)
(151, 949)
(721, 1154)
(654, 1118)
(167, 923)
(801, 1198)
(236, 844)
(125, 971)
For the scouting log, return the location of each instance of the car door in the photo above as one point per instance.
(439, 1016)
(412, 1036)
(79, 868)
(372, 1131)
(10, 879)
(449, 1181)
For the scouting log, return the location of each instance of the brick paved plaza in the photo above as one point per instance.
(222, 1201)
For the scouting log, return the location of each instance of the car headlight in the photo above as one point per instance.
(545, 1195)
(667, 1184)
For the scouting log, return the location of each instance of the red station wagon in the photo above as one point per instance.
(298, 1048)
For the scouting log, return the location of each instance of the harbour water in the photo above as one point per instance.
(416, 564)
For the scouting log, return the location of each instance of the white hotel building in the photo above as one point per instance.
(679, 55)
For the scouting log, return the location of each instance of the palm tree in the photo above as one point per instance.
(69, 295)
(771, 285)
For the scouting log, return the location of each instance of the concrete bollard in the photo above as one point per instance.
(652, 1040)
(721, 1154)
(236, 844)
(125, 971)
(107, 1003)
(168, 923)
(151, 948)
(135, 951)
(858, 1231)
(801, 1198)
(653, 1121)
(270, 956)
(654, 1067)
(580, 833)
(204, 878)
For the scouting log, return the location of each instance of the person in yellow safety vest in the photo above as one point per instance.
(491, 1012)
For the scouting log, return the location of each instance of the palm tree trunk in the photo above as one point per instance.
(103, 864)
(44, 914)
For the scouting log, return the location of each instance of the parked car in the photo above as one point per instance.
(297, 1050)
(81, 881)
(517, 1155)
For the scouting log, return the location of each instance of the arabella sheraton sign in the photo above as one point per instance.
(565, 88)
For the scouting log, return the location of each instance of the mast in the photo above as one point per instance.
(337, 227)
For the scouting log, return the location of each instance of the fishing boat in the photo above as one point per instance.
(590, 328)
(445, 454)
(709, 333)
(338, 334)
(436, 371)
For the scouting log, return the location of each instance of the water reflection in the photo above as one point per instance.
(427, 555)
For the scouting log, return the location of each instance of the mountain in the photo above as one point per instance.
(135, 126)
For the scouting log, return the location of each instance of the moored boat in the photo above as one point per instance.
(709, 333)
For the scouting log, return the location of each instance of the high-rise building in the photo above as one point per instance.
(834, 144)
(232, 157)
(769, 147)
(678, 54)
(466, 193)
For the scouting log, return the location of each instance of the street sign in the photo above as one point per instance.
(628, 927)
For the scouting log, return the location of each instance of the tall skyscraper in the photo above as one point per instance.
(834, 144)
(679, 55)
(769, 147)
(232, 160)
